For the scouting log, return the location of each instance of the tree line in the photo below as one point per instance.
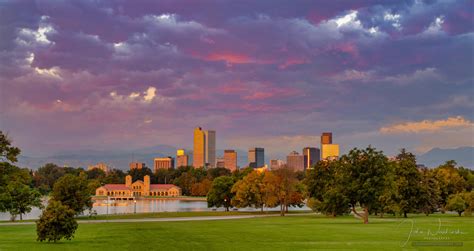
(366, 179)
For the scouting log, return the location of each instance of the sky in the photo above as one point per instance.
(110, 75)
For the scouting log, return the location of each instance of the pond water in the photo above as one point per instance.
(101, 207)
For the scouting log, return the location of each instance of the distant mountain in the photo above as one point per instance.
(464, 156)
(117, 159)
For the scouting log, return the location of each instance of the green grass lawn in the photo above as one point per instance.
(293, 232)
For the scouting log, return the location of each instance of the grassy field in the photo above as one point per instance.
(293, 232)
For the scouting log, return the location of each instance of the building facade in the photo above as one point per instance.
(295, 161)
(102, 166)
(165, 163)
(138, 188)
(182, 159)
(256, 157)
(210, 146)
(220, 162)
(198, 150)
(276, 164)
(329, 151)
(326, 138)
(311, 156)
(137, 165)
(230, 160)
(204, 154)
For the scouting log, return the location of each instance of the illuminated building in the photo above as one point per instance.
(204, 153)
(295, 161)
(256, 157)
(182, 159)
(311, 156)
(165, 162)
(230, 159)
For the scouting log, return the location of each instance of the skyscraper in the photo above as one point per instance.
(210, 147)
(311, 156)
(204, 148)
(230, 159)
(328, 149)
(326, 138)
(181, 158)
(295, 161)
(256, 157)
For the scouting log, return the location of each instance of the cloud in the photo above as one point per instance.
(150, 94)
(428, 125)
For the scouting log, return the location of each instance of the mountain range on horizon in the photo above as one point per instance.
(120, 159)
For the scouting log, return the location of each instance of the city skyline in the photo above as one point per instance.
(392, 74)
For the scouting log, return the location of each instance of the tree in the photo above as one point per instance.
(289, 190)
(56, 222)
(249, 191)
(22, 199)
(7, 151)
(46, 176)
(364, 178)
(138, 174)
(201, 188)
(457, 203)
(220, 194)
(16, 195)
(408, 182)
(325, 188)
(73, 192)
(213, 173)
(449, 180)
(429, 195)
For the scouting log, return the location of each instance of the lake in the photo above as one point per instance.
(145, 206)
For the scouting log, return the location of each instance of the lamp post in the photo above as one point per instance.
(135, 206)
(107, 203)
(225, 204)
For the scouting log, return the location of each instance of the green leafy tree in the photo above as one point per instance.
(325, 188)
(213, 173)
(457, 203)
(16, 195)
(429, 194)
(46, 176)
(7, 151)
(220, 194)
(21, 199)
(450, 182)
(365, 180)
(73, 192)
(114, 176)
(56, 222)
(138, 174)
(408, 182)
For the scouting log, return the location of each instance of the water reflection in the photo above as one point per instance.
(101, 207)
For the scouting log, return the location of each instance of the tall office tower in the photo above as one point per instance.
(137, 165)
(311, 156)
(329, 151)
(276, 163)
(166, 163)
(256, 157)
(199, 150)
(204, 148)
(181, 158)
(295, 161)
(230, 159)
(326, 138)
(210, 147)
